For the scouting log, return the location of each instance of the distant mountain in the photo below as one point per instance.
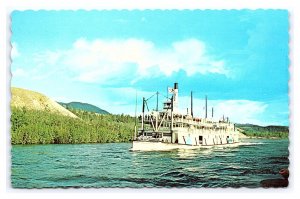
(83, 107)
(31, 100)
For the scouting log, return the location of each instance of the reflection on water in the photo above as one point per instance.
(112, 165)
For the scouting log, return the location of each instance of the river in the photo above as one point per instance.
(113, 165)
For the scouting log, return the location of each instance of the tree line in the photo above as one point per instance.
(266, 132)
(41, 127)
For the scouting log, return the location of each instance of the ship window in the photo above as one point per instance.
(200, 139)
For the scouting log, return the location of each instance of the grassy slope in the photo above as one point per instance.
(22, 98)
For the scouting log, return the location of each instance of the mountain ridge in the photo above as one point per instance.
(83, 106)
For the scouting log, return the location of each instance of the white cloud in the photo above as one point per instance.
(14, 50)
(242, 111)
(134, 59)
(48, 58)
(238, 111)
(19, 72)
(44, 65)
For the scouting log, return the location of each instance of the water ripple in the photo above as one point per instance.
(112, 165)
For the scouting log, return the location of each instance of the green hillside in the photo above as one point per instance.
(83, 107)
(42, 127)
(36, 119)
(252, 130)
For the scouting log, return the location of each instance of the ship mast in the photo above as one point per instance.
(157, 101)
(172, 104)
(156, 114)
(134, 137)
(192, 104)
(205, 106)
(143, 115)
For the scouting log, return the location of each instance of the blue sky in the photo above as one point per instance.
(238, 58)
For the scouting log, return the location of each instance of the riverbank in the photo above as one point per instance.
(270, 138)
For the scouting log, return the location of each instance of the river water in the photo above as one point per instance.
(113, 165)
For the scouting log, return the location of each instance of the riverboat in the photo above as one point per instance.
(168, 129)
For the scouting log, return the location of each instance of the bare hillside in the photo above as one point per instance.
(36, 101)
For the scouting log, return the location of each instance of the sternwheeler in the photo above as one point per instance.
(168, 129)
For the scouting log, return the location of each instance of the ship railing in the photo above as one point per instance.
(181, 122)
(149, 139)
(200, 125)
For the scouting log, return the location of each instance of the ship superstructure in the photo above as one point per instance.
(169, 129)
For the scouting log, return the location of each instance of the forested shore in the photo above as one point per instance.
(268, 135)
(42, 127)
(255, 131)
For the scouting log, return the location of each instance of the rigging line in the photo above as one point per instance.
(150, 117)
(162, 119)
(156, 94)
(164, 96)
(147, 106)
(151, 96)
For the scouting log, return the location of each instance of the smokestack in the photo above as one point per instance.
(192, 114)
(175, 85)
(143, 107)
(175, 98)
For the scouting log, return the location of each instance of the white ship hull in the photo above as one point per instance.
(160, 146)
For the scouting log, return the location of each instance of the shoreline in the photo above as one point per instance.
(246, 137)
(269, 138)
